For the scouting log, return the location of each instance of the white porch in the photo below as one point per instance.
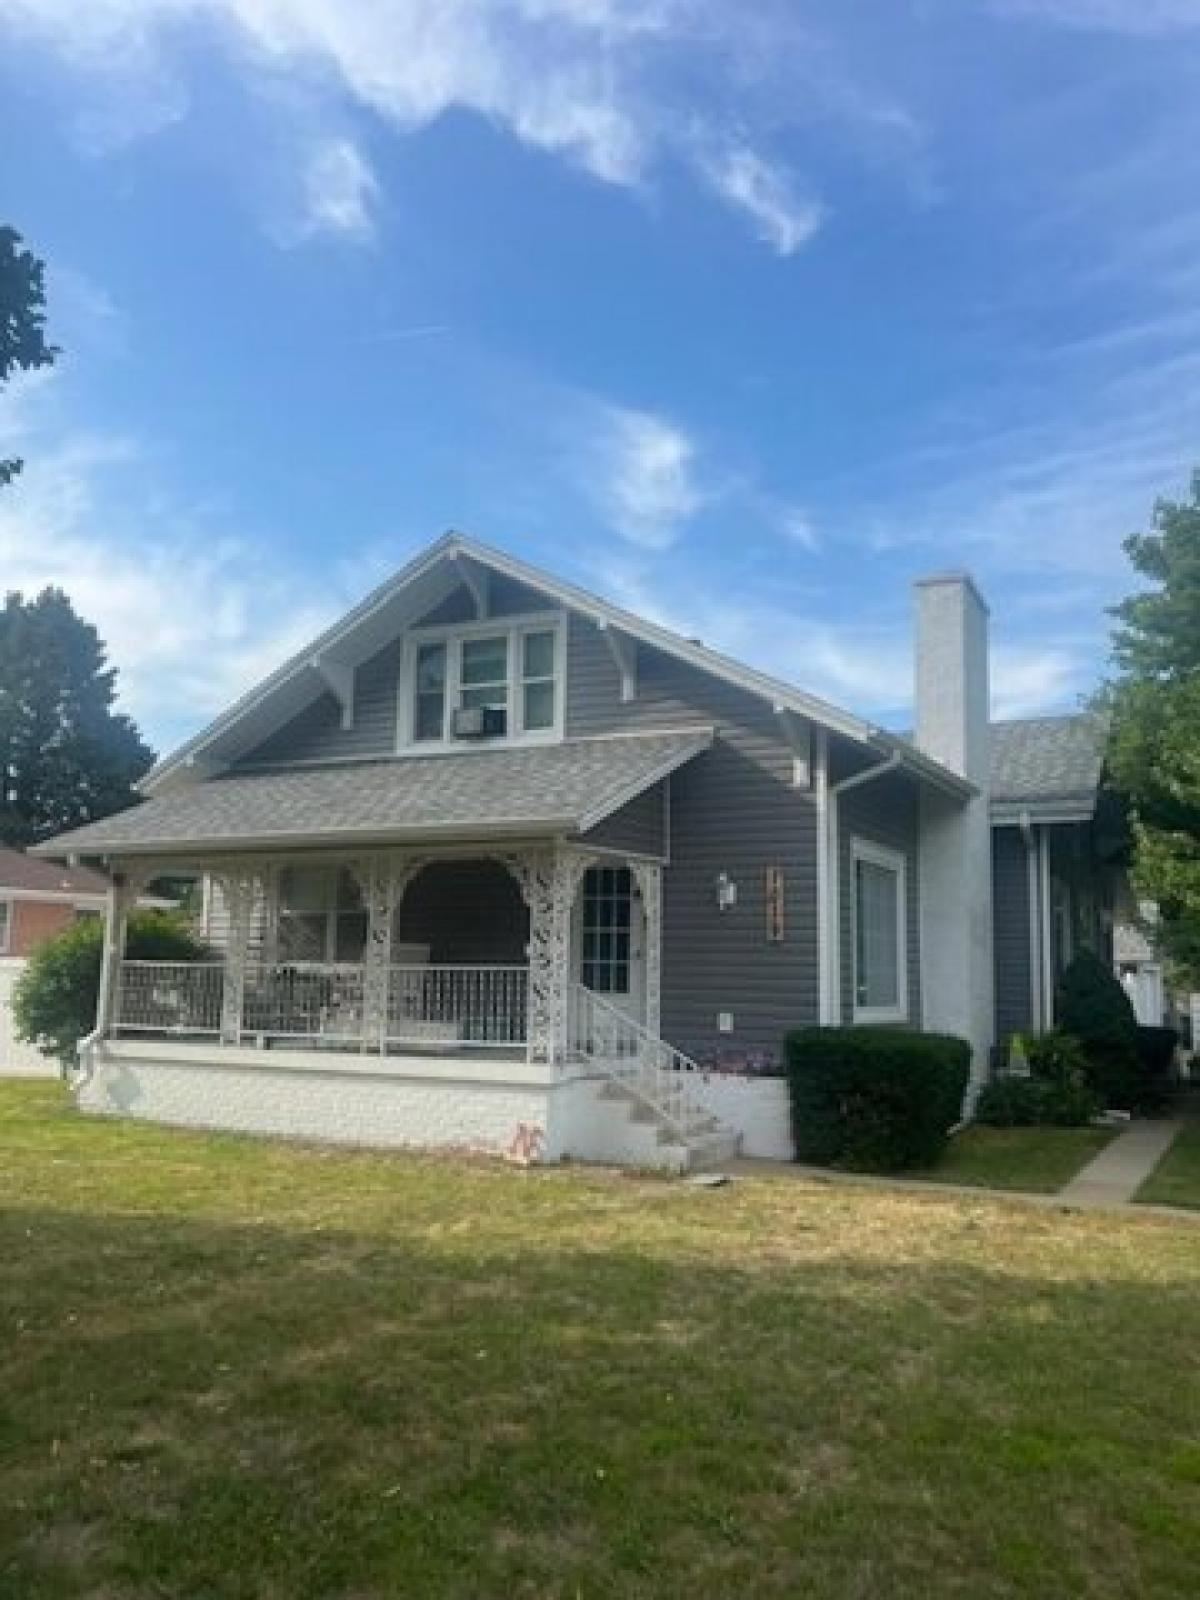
(556, 1053)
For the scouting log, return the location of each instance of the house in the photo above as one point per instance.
(40, 898)
(495, 864)
(37, 900)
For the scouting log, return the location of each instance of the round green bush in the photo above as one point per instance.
(54, 1001)
(874, 1099)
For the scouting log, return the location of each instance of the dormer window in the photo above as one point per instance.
(509, 675)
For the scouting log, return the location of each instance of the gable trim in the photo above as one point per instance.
(454, 548)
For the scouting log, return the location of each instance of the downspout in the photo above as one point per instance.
(1047, 933)
(833, 874)
(115, 908)
(1035, 926)
(824, 944)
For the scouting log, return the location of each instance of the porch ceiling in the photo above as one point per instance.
(535, 790)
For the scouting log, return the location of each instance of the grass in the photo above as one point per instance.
(1176, 1179)
(239, 1370)
(1036, 1160)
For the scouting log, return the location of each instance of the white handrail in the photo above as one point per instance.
(652, 1070)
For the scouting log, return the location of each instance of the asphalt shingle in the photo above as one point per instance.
(537, 789)
(1048, 758)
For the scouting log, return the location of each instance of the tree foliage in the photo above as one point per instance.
(22, 319)
(1155, 702)
(66, 757)
(54, 1001)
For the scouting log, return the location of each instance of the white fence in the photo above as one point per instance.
(18, 1059)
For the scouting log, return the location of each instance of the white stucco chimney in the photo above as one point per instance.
(952, 673)
(952, 726)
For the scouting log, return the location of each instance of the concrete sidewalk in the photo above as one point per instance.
(1114, 1176)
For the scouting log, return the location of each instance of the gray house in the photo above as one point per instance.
(495, 864)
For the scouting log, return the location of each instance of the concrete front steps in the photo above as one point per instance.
(706, 1142)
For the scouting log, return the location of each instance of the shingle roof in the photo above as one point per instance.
(553, 788)
(1048, 760)
(19, 871)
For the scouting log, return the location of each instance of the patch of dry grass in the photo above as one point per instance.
(235, 1368)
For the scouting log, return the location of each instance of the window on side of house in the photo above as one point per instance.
(429, 704)
(5, 924)
(483, 672)
(880, 955)
(537, 707)
(321, 915)
(605, 927)
(514, 669)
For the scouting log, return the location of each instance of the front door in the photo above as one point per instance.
(610, 939)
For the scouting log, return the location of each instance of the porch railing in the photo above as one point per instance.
(323, 1004)
(470, 1005)
(649, 1068)
(171, 996)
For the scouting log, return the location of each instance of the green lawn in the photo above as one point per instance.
(1176, 1179)
(238, 1369)
(1037, 1160)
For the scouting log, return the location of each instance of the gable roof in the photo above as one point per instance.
(364, 629)
(1050, 767)
(21, 873)
(523, 791)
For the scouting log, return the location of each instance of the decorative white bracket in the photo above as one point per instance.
(478, 580)
(797, 735)
(339, 680)
(624, 652)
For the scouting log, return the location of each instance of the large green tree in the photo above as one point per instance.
(1155, 701)
(22, 319)
(66, 757)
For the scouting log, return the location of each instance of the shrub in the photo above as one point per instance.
(1156, 1066)
(1056, 1093)
(54, 1001)
(874, 1099)
(1092, 1005)
(1010, 1103)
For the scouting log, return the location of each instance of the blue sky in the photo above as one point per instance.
(741, 315)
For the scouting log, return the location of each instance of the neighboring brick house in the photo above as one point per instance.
(40, 898)
(37, 900)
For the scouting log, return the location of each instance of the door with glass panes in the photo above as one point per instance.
(610, 939)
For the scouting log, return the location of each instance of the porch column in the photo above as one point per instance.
(122, 893)
(239, 886)
(383, 880)
(549, 877)
(648, 876)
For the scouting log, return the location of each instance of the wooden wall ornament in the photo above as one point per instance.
(775, 905)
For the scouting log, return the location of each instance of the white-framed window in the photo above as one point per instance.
(5, 925)
(606, 917)
(512, 666)
(879, 900)
(321, 915)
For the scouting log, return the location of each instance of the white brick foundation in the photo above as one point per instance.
(301, 1095)
(413, 1101)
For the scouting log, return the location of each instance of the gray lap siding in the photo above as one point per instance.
(733, 809)
(1010, 921)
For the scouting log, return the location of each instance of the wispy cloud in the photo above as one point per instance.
(782, 218)
(340, 190)
(191, 618)
(645, 479)
(583, 80)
